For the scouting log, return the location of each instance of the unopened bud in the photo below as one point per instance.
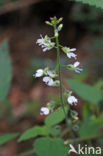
(60, 27)
(47, 22)
(60, 19)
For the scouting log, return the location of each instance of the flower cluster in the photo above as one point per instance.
(45, 43)
(49, 75)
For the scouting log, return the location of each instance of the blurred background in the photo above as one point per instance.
(21, 95)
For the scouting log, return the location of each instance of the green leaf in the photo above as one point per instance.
(7, 137)
(97, 3)
(56, 117)
(5, 69)
(33, 132)
(50, 147)
(55, 131)
(91, 127)
(87, 111)
(85, 91)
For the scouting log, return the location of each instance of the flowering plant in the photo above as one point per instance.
(53, 77)
(55, 138)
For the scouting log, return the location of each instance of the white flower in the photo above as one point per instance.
(44, 111)
(69, 52)
(51, 74)
(49, 81)
(74, 67)
(71, 100)
(70, 55)
(45, 43)
(38, 73)
(78, 70)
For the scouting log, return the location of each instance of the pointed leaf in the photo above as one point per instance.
(56, 117)
(85, 91)
(33, 132)
(7, 137)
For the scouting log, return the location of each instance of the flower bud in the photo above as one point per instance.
(60, 27)
(60, 19)
(47, 22)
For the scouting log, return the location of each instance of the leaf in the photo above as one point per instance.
(7, 137)
(5, 69)
(97, 3)
(33, 132)
(91, 127)
(85, 91)
(55, 131)
(46, 146)
(56, 117)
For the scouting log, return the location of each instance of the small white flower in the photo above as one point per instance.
(69, 52)
(74, 67)
(45, 43)
(78, 70)
(71, 100)
(38, 73)
(49, 81)
(44, 111)
(70, 55)
(51, 74)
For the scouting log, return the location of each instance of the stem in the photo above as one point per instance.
(59, 70)
(83, 139)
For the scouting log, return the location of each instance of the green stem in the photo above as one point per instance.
(83, 139)
(59, 70)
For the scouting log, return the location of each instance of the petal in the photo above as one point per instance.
(76, 64)
(40, 71)
(68, 55)
(73, 49)
(46, 79)
(51, 74)
(51, 82)
(71, 55)
(78, 70)
(44, 110)
(71, 100)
